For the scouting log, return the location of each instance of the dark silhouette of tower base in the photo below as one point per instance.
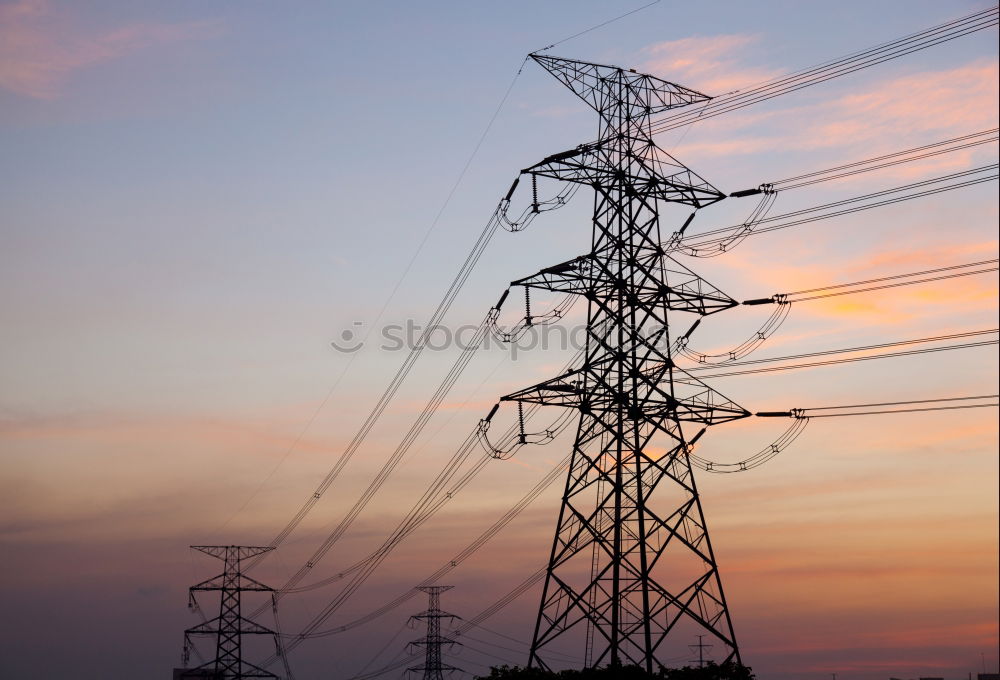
(632, 576)
(433, 668)
(229, 626)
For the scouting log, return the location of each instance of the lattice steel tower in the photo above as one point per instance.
(632, 576)
(230, 625)
(434, 668)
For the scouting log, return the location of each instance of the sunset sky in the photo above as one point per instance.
(199, 197)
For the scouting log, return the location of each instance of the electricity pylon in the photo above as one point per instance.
(434, 668)
(632, 571)
(230, 625)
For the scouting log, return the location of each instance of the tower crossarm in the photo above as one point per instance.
(644, 172)
(592, 389)
(221, 582)
(230, 552)
(644, 94)
(242, 626)
(434, 640)
(598, 277)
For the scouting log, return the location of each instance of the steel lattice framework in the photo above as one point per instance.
(434, 668)
(632, 566)
(230, 625)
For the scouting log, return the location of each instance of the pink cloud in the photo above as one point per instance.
(709, 64)
(40, 47)
(963, 98)
(878, 118)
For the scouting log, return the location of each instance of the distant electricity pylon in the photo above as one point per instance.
(702, 648)
(229, 626)
(433, 668)
(631, 567)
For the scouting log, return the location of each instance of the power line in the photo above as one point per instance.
(550, 478)
(345, 457)
(394, 384)
(783, 302)
(696, 244)
(830, 362)
(825, 291)
(595, 27)
(918, 406)
(420, 513)
(443, 306)
(906, 45)
(895, 158)
(861, 348)
(389, 466)
(885, 192)
(423, 510)
(803, 416)
(899, 284)
(904, 410)
(863, 197)
(764, 455)
(904, 403)
(467, 624)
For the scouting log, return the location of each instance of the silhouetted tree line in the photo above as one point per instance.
(710, 671)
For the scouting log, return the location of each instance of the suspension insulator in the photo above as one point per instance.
(510, 192)
(697, 436)
(563, 155)
(691, 330)
(534, 192)
(687, 222)
(503, 297)
(560, 268)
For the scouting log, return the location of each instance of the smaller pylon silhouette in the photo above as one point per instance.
(702, 648)
(230, 625)
(433, 668)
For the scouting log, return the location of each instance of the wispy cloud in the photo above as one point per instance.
(822, 267)
(41, 45)
(709, 64)
(963, 98)
(947, 102)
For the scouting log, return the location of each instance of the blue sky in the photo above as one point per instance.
(199, 197)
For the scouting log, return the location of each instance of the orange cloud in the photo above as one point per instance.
(978, 633)
(889, 306)
(956, 436)
(228, 434)
(926, 258)
(40, 47)
(472, 405)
